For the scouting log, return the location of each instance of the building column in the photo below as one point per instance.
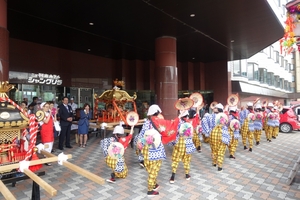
(166, 75)
(4, 39)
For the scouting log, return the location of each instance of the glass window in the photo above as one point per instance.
(236, 68)
(269, 78)
(263, 75)
(250, 71)
(286, 85)
(276, 55)
(286, 65)
(272, 79)
(281, 61)
(281, 83)
(276, 81)
(244, 70)
(271, 52)
(256, 72)
(292, 67)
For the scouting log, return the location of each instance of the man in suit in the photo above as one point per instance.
(66, 116)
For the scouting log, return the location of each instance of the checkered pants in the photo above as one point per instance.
(276, 131)
(269, 132)
(217, 146)
(196, 140)
(266, 127)
(111, 163)
(233, 144)
(179, 154)
(152, 167)
(246, 134)
(257, 135)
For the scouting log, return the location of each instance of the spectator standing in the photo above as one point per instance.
(66, 116)
(47, 127)
(73, 105)
(83, 124)
(32, 105)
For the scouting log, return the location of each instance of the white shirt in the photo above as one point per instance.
(74, 106)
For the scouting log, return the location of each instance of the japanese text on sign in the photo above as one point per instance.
(48, 79)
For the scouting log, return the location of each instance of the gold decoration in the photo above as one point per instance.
(119, 83)
(118, 95)
(5, 87)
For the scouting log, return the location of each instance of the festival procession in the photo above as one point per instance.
(226, 128)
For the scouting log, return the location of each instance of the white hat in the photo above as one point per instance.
(72, 99)
(118, 130)
(270, 104)
(257, 106)
(249, 104)
(42, 104)
(184, 113)
(153, 109)
(220, 106)
(232, 108)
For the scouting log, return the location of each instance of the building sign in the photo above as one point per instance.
(46, 79)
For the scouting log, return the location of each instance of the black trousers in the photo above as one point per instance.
(64, 134)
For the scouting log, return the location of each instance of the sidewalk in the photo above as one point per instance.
(261, 174)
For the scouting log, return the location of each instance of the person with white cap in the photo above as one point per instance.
(118, 165)
(219, 139)
(153, 110)
(183, 146)
(212, 118)
(234, 134)
(258, 123)
(247, 126)
(268, 126)
(276, 122)
(152, 159)
(73, 105)
(47, 128)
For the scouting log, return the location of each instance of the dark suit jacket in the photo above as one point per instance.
(65, 113)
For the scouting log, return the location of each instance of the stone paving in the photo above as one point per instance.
(261, 174)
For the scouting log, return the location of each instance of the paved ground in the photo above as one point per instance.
(261, 174)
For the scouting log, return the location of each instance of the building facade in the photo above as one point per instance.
(270, 74)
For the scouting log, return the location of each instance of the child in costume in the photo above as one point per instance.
(153, 152)
(276, 122)
(161, 130)
(219, 138)
(247, 118)
(195, 121)
(113, 149)
(183, 147)
(267, 127)
(258, 123)
(234, 130)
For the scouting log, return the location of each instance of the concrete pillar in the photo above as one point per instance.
(166, 75)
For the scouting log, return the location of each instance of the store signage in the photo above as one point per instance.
(47, 79)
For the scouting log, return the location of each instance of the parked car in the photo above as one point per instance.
(289, 119)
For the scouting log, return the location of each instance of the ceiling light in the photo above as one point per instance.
(192, 15)
(232, 41)
(193, 58)
(89, 49)
(91, 24)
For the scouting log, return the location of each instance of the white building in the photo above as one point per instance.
(269, 74)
